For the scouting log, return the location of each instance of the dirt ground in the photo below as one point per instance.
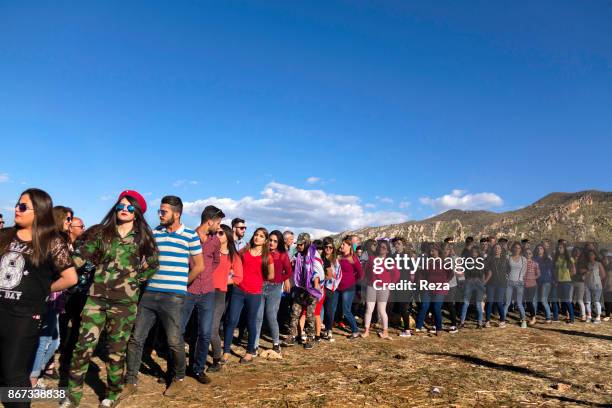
(546, 365)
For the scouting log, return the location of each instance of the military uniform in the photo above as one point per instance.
(111, 306)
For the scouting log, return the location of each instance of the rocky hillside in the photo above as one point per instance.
(581, 216)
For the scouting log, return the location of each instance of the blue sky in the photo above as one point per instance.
(390, 111)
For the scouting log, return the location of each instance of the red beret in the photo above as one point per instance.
(136, 196)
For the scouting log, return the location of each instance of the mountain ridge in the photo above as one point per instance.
(575, 216)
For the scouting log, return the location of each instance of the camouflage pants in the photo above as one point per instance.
(99, 315)
(303, 300)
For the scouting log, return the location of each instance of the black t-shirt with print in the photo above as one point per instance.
(24, 287)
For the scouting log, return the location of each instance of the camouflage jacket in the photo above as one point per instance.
(119, 270)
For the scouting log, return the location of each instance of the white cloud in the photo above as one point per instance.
(385, 200)
(404, 204)
(313, 180)
(4, 177)
(370, 205)
(106, 197)
(461, 200)
(281, 205)
(179, 183)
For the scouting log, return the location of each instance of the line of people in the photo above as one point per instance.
(64, 287)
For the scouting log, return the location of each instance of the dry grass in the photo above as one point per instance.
(548, 365)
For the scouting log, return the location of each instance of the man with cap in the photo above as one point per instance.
(308, 275)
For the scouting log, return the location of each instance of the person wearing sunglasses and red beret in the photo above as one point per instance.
(123, 249)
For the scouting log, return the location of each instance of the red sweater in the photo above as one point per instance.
(386, 276)
(282, 266)
(351, 273)
(437, 275)
(252, 275)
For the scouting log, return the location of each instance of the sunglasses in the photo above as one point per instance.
(220, 233)
(329, 247)
(68, 219)
(162, 213)
(22, 207)
(241, 228)
(121, 207)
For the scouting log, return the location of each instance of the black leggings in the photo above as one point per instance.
(18, 344)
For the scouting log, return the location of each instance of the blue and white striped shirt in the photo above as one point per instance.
(175, 248)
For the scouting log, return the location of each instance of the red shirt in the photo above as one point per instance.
(221, 274)
(386, 276)
(282, 266)
(351, 273)
(252, 275)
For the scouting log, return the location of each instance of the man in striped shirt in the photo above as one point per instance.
(165, 294)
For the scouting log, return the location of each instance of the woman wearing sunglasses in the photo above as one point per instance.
(123, 249)
(273, 289)
(228, 272)
(32, 253)
(257, 266)
(333, 276)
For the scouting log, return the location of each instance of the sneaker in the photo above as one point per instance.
(523, 324)
(175, 388)
(202, 378)
(479, 325)
(597, 320)
(487, 324)
(502, 324)
(128, 390)
(330, 337)
(532, 321)
(453, 329)
(276, 348)
(432, 331)
(324, 335)
(548, 321)
(405, 333)
(107, 403)
(317, 339)
(215, 367)
(66, 403)
(420, 331)
(308, 345)
(462, 325)
(353, 336)
(303, 339)
(289, 341)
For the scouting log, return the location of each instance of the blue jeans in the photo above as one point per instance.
(239, 300)
(473, 286)
(495, 295)
(519, 288)
(436, 300)
(347, 302)
(271, 297)
(205, 305)
(543, 298)
(165, 306)
(48, 342)
(563, 289)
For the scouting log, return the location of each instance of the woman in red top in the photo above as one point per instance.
(273, 289)
(229, 271)
(351, 273)
(249, 292)
(377, 294)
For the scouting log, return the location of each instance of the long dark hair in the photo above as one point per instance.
(265, 250)
(565, 254)
(281, 241)
(143, 239)
(44, 231)
(330, 241)
(231, 245)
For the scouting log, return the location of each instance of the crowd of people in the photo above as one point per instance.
(65, 289)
